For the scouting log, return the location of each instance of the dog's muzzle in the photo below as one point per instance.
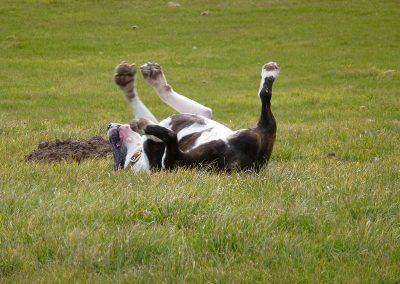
(118, 148)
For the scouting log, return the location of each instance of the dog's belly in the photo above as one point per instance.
(195, 130)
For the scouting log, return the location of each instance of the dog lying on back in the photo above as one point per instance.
(190, 138)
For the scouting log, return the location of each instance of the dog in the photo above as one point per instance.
(190, 138)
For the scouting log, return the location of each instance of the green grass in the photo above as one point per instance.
(305, 218)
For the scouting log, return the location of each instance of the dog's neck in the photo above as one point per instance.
(133, 150)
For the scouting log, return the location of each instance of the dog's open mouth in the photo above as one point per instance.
(119, 149)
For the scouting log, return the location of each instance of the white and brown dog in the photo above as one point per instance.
(190, 138)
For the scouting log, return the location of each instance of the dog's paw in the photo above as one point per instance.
(154, 75)
(270, 70)
(138, 125)
(124, 77)
(124, 74)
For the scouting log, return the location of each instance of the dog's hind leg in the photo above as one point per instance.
(269, 73)
(125, 78)
(154, 76)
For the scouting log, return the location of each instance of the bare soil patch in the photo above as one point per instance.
(71, 150)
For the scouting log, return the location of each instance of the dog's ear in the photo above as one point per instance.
(138, 125)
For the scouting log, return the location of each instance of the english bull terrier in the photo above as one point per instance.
(190, 138)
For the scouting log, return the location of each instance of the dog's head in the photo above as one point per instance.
(124, 142)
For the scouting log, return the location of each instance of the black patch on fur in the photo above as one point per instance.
(212, 154)
(154, 152)
(169, 137)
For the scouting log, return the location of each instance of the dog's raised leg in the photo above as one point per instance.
(125, 78)
(154, 76)
(269, 73)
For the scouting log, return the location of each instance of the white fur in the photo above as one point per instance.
(195, 127)
(163, 159)
(143, 164)
(132, 149)
(271, 73)
(211, 129)
(140, 165)
(166, 123)
(140, 110)
(183, 104)
(216, 131)
(265, 74)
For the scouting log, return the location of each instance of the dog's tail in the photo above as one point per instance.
(173, 155)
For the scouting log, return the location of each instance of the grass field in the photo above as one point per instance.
(304, 218)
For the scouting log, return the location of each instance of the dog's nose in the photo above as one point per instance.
(109, 126)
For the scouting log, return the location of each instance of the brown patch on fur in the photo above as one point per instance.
(67, 150)
(130, 95)
(181, 121)
(168, 88)
(124, 76)
(138, 125)
(152, 70)
(188, 141)
(271, 66)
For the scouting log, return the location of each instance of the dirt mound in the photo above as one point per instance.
(78, 150)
